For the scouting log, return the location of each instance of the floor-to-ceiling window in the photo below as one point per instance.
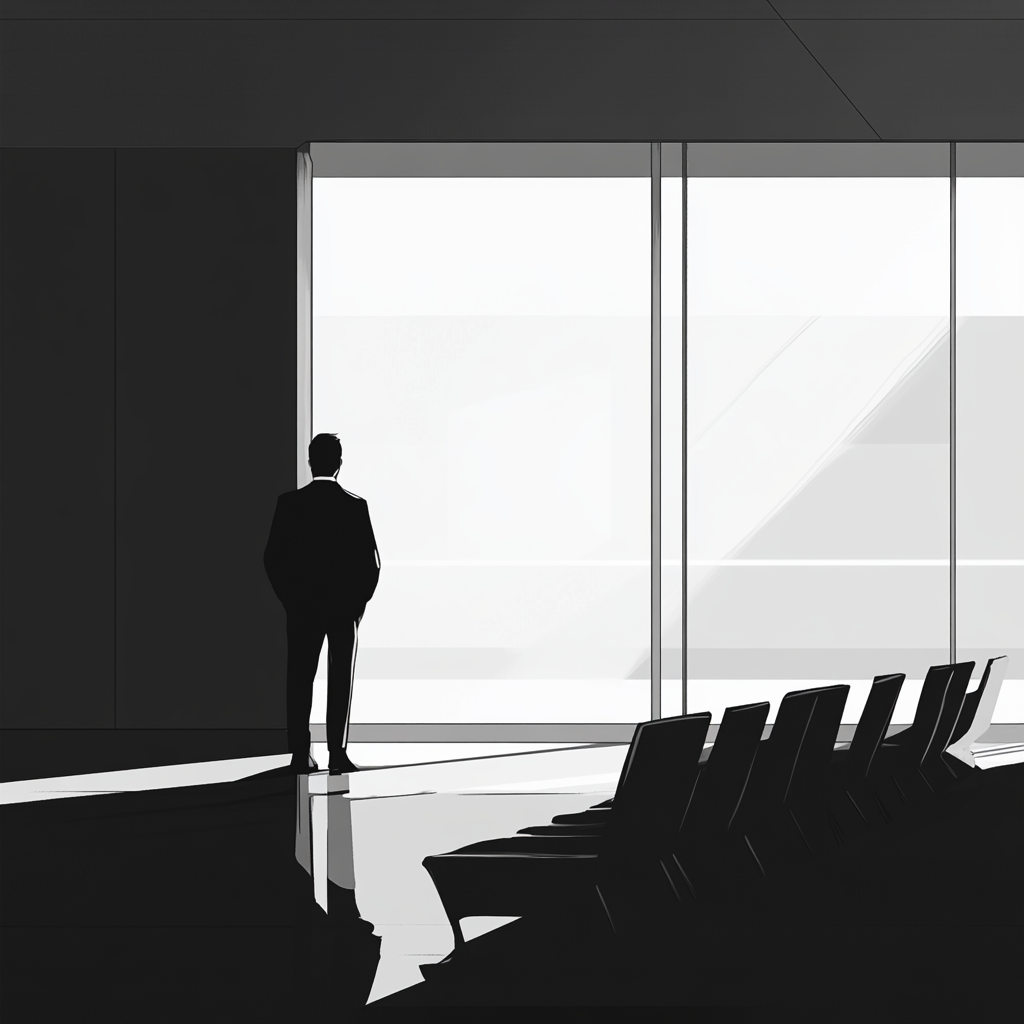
(989, 412)
(482, 344)
(502, 337)
(817, 420)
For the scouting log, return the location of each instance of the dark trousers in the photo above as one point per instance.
(306, 632)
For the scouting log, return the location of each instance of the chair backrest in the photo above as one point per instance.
(776, 760)
(630, 757)
(976, 714)
(952, 702)
(874, 721)
(914, 739)
(721, 782)
(627, 761)
(658, 778)
(810, 773)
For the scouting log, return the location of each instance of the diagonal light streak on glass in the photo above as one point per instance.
(753, 380)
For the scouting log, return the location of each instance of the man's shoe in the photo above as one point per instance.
(344, 767)
(303, 765)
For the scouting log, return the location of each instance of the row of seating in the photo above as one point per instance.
(685, 821)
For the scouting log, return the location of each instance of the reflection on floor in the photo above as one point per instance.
(433, 808)
(220, 874)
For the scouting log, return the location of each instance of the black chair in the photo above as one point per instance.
(929, 708)
(593, 820)
(975, 717)
(776, 760)
(790, 820)
(851, 801)
(763, 804)
(526, 874)
(649, 897)
(874, 723)
(934, 766)
(725, 869)
(715, 799)
(598, 813)
(910, 771)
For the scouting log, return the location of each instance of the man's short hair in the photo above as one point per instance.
(325, 455)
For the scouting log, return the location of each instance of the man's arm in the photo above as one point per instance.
(371, 556)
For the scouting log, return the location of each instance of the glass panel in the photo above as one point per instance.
(482, 348)
(989, 413)
(671, 429)
(817, 422)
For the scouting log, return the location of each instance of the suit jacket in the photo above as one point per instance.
(322, 555)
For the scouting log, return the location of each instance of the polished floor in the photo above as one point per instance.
(368, 835)
(100, 869)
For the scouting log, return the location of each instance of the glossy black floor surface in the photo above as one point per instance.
(172, 905)
(189, 905)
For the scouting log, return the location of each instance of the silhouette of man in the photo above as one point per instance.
(321, 559)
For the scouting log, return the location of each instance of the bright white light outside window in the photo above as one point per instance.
(482, 347)
(818, 247)
(817, 434)
(990, 429)
(481, 247)
(508, 322)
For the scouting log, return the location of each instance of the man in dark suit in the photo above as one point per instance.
(322, 562)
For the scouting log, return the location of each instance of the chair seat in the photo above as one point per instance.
(532, 846)
(587, 817)
(597, 828)
(518, 874)
(498, 882)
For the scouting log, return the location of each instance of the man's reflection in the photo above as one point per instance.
(337, 948)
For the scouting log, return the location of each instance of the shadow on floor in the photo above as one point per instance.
(172, 905)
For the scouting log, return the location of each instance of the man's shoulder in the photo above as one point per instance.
(318, 495)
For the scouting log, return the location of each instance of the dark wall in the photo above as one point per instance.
(148, 415)
(57, 438)
(206, 419)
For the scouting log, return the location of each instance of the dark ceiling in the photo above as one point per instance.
(283, 72)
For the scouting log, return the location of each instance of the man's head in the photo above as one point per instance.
(325, 455)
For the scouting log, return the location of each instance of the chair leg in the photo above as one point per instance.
(455, 920)
(428, 971)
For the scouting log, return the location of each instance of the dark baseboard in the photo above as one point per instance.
(53, 753)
